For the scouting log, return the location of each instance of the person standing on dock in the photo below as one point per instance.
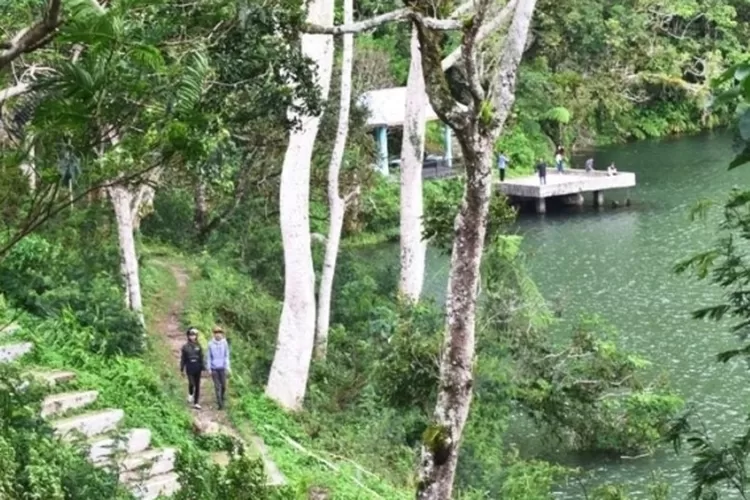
(541, 167)
(589, 165)
(502, 162)
(559, 161)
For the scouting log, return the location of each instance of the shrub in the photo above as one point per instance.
(44, 279)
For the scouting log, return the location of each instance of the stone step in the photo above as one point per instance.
(53, 377)
(57, 404)
(132, 442)
(11, 352)
(89, 424)
(147, 464)
(164, 485)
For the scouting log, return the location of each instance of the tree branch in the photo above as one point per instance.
(31, 38)
(360, 26)
(469, 53)
(14, 91)
(400, 15)
(484, 32)
(514, 46)
(36, 219)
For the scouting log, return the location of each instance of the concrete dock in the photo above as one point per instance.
(572, 183)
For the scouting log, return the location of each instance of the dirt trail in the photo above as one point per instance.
(208, 420)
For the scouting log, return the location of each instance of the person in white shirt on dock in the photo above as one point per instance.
(502, 162)
(559, 159)
(589, 165)
(611, 169)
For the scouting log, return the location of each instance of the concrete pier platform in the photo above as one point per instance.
(572, 183)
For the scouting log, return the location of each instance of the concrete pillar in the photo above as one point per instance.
(598, 199)
(541, 206)
(574, 199)
(382, 138)
(448, 144)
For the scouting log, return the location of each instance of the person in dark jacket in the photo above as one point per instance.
(541, 168)
(192, 365)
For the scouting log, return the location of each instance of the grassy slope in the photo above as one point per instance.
(251, 412)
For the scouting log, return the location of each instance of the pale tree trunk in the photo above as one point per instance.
(28, 168)
(131, 204)
(201, 204)
(336, 204)
(122, 202)
(440, 450)
(413, 245)
(287, 380)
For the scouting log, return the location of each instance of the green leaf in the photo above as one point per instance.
(148, 56)
(558, 114)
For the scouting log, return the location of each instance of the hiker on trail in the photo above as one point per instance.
(541, 167)
(192, 365)
(218, 364)
(589, 165)
(502, 161)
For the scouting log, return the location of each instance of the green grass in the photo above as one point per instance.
(304, 461)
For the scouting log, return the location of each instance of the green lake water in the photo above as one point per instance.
(616, 262)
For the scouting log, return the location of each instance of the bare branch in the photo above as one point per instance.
(14, 91)
(22, 85)
(469, 52)
(33, 37)
(352, 194)
(514, 46)
(360, 26)
(484, 32)
(400, 15)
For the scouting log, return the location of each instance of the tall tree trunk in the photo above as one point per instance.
(413, 246)
(200, 217)
(477, 137)
(122, 202)
(440, 450)
(287, 381)
(337, 204)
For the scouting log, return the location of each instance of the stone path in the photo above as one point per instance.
(148, 472)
